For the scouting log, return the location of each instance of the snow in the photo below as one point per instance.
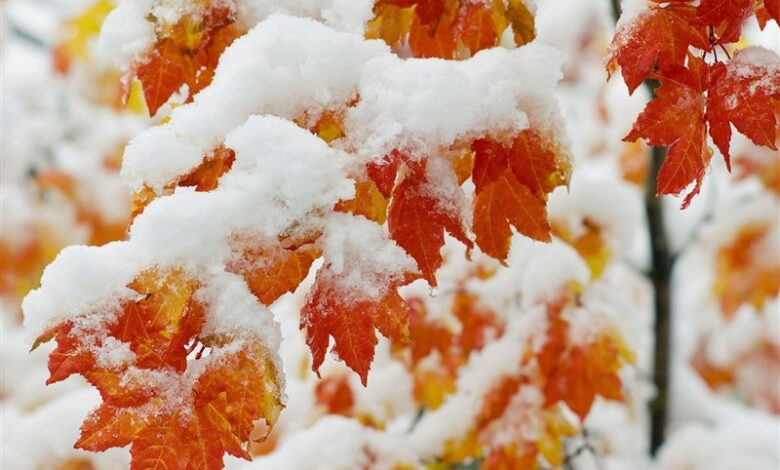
(552, 270)
(303, 66)
(732, 445)
(85, 284)
(284, 183)
(361, 257)
(126, 33)
(44, 438)
(408, 104)
(630, 12)
(614, 206)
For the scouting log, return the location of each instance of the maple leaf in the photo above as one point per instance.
(432, 385)
(512, 456)
(391, 23)
(522, 21)
(187, 55)
(590, 244)
(368, 202)
(170, 414)
(226, 398)
(271, 270)
(742, 275)
(475, 29)
(512, 182)
(767, 10)
(205, 176)
(503, 202)
(478, 323)
(449, 29)
(576, 373)
(767, 171)
(744, 94)
(335, 395)
(672, 30)
(727, 15)
(332, 310)
(496, 400)
(417, 219)
(676, 117)
(163, 74)
(432, 41)
(429, 336)
(384, 171)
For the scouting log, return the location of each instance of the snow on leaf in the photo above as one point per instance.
(187, 54)
(417, 218)
(330, 310)
(672, 30)
(576, 373)
(744, 94)
(171, 414)
(271, 271)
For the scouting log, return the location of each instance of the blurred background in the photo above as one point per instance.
(64, 127)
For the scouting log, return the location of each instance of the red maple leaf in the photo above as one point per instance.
(333, 310)
(417, 218)
(744, 94)
(727, 16)
(660, 37)
(676, 118)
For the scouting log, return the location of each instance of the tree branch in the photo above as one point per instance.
(660, 275)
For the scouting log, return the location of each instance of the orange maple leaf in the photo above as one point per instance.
(576, 373)
(170, 414)
(271, 271)
(512, 182)
(335, 395)
(332, 310)
(727, 16)
(187, 54)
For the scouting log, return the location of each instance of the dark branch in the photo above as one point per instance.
(660, 274)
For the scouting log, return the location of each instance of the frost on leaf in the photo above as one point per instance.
(672, 30)
(173, 414)
(745, 94)
(331, 310)
(417, 218)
